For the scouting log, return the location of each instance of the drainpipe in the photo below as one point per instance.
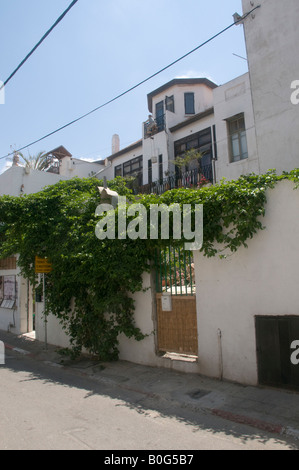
(220, 354)
(214, 170)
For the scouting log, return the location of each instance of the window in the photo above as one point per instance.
(134, 168)
(160, 116)
(201, 141)
(169, 103)
(118, 171)
(237, 138)
(189, 103)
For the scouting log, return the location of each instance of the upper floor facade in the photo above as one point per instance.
(248, 125)
(195, 114)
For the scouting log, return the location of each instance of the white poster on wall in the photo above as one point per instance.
(9, 287)
(9, 291)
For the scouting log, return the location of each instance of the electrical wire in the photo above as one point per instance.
(133, 87)
(38, 44)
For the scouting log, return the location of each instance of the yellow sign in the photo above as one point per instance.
(42, 265)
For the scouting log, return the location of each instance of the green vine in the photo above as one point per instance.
(91, 285)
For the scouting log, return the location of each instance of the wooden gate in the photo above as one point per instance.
(176, 318)
(177, 328)
(274, 338)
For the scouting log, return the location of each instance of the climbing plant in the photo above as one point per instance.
(91, 285)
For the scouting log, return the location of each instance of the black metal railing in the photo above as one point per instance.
(175, 271)
(195, 178)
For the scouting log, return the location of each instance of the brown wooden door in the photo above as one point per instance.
(177, 329)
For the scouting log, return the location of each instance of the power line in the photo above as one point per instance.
(39, 43)
(133, 87)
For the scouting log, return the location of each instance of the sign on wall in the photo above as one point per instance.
(42, 265)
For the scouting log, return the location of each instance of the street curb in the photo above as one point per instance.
(18, 350)
(256, 423)
(291, 432)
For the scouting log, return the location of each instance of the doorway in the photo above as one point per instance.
(275, 336)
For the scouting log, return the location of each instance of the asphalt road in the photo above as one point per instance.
(47, 408)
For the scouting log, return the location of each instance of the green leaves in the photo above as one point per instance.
(91, 284)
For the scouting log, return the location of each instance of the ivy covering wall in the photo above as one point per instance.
(90, 286)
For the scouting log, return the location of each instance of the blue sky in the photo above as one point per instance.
(99, 50)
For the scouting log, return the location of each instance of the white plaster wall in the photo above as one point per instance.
(229, 100)
(138, 352)
(71, 167)
(153, 147)
(50, 331)
(141, 352)
(129, 155)
(130, 349)
(194, 127)
(203, 97)
(15, 177)
(260, 280)
(272, 37)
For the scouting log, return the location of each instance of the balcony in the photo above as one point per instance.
(154, 126)
(192, 179)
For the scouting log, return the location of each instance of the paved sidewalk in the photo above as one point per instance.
(267, 409)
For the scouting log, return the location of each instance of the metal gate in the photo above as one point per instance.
(274, 338)
(176, 302)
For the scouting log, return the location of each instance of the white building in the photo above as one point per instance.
(247, 309)
(246, 125)
(194, 113)
(271, 36)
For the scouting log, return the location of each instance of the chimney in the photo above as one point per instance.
(115, 144)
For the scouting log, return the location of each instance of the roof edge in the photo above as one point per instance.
(179, 81)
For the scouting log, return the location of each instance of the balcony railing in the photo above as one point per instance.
(153, 126)
(189, 179)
